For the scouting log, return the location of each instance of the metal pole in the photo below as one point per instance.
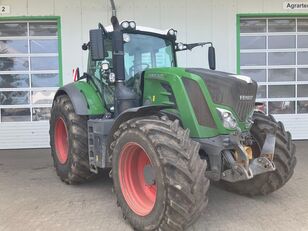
(114, 11)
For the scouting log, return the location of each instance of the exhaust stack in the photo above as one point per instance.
(113, 8)
(125, 97)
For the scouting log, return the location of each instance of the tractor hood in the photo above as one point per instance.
(231, 90)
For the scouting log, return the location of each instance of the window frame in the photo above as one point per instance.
(59, 71)
(296, 82)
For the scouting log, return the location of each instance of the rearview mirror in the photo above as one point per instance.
(97, 44)
(212, 58)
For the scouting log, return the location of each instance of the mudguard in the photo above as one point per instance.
(85, 99)
(133, 113)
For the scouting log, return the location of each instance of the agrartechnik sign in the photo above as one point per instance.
(295, 5)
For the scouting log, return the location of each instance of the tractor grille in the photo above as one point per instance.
(229, 91)
(243, 108)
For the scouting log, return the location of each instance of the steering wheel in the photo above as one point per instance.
(132, 68)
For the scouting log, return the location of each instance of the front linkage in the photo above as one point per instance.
(231, 156)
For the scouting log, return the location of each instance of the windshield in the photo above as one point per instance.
(145, 51)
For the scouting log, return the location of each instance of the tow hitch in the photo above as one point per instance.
(244, 168)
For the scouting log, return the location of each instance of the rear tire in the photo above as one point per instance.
(72, 166)
(284, 159)
(181, 188)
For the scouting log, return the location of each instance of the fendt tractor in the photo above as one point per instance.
(164, 131)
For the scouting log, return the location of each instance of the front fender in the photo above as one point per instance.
(133, 113)
(85, 99)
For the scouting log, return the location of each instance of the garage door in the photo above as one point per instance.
(29, 77)
(274, 52)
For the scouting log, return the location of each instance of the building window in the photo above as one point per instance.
(274, 52)
(29, 69)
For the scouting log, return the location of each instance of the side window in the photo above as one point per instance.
(94, 67)
(128, 63)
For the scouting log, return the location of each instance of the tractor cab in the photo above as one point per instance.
(141, 48)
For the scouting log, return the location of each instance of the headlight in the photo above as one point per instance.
(227, 118)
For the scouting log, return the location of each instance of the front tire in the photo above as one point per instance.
(284, 159)
(178, 195)
(69, 142)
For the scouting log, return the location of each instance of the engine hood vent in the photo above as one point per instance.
(236, 92)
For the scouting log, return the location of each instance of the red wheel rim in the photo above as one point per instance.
(139, 195)
(61, 140)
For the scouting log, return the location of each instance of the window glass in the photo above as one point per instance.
(43, 29)
(163, 60)
(281, 42)
(14, 97)
(258, 75)
(42, 97)
(281, 58)
(302, 74)
(27, 78)
(261, 93)
(285, 74)
(281, 91)
(13, 46)
(281, 107)
(253, 25)
(13, 29)
(15, 114)
(14, 80)
(302, 106)
(302, 58)
(145, 51)
(302, 25)
(302, 41)
(14, 64)
(41, 113)
(45, 80)
(280, 64)
(281, 25)
(302, 90)
(253, 42)
(44, 46)
(253, 59)
(44, 63)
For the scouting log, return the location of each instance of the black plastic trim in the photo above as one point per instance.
(78, 100)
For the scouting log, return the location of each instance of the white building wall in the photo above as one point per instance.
(195, 20)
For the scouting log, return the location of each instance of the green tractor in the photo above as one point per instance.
(164, 131)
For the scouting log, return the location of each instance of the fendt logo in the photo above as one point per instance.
(246, 97)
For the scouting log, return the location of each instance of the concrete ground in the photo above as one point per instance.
(33, 198)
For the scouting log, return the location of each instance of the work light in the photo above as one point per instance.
(132, 24)
(172, 32)
(125, 24)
